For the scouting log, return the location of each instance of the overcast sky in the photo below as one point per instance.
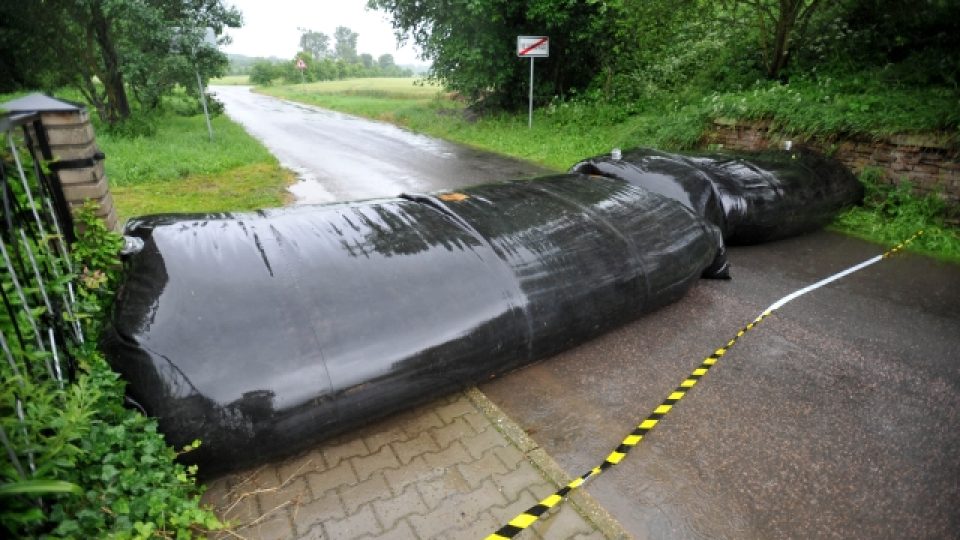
(270, 27)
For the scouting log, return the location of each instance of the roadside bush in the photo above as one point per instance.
(891, 213)
(107, 472)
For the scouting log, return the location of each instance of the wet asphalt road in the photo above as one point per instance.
(340, 157)
(838, 417)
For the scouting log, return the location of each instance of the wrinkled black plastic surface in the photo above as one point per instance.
(262, 333)
(752, 197)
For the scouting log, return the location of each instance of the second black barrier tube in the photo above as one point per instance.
(261, 334)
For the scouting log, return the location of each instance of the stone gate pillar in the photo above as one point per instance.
(72, 145)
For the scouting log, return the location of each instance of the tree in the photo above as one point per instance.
(263, 72)
(106, 48)
(472, 44)
(386, 62)
(345, 47)
(367, 60)
(780, 27)
(315, 43)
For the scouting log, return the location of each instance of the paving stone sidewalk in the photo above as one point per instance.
(455, 468)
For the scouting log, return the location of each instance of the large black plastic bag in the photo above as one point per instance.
(261, 334)
(752, 197)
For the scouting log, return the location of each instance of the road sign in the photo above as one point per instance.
(533, 46)
(300, 64)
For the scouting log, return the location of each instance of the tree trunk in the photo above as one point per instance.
(117, 103)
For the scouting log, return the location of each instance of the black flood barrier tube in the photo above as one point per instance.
(263, 333)
(752, 197)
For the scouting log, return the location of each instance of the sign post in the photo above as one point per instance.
(209, 39)
(532, 47)
(301, 65)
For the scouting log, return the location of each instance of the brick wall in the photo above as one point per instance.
(931, 163)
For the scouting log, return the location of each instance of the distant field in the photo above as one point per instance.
(397, 88)
(231, 80)
(387, 99)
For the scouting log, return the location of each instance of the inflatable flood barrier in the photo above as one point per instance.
(752, 197)
(261, 334)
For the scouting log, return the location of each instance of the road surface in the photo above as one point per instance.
(839, 417)
(340, 157)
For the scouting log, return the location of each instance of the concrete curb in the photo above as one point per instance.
(582, 502)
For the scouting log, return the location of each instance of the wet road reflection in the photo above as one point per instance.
(341, 158)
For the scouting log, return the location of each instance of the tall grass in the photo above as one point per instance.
(892, 213)
(179, 147)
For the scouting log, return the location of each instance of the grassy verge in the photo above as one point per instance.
(178, 169)
(893, 213)
(566, 132)
(231, 80)
(562, 134)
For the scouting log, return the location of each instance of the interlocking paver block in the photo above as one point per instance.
(457, 512)
(478, 444)
(456, 408)
(370, 464)
(354, 526)
(254, 479)
(442, 487)
(350, 448)
(313, 513)
(414, 447)
(301, 465)
(423, 420)
(477, 421)
(239, 511)
(510, 456)
(564, 522)
(323, 481)
(391, 510)
(403, 531)
(448, 457)
(276, 527)
(440, 471)
(414, 472)
(454, 431)
(216, 493)
(292, 493)
(523, 477)
(481, 526)
(507, 512)
(369, 490)
(477, 471)
(595, 535)
(383, 435)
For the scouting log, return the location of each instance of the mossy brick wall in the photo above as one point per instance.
(929, 162)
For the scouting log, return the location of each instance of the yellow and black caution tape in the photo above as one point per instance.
(532, 514)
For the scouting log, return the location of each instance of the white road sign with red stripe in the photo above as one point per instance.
(533, 46)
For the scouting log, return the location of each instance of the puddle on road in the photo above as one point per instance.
(308, 189)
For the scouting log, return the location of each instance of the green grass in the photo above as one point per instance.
(825, 108)
(381, 87)
(248, 187)
(178, 169)
(231, 80)
(891, 214)
(179, 147)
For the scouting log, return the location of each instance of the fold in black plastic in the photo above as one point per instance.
(261, 334)
(752, 197)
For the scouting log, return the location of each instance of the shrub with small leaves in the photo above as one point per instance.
(96, 468)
